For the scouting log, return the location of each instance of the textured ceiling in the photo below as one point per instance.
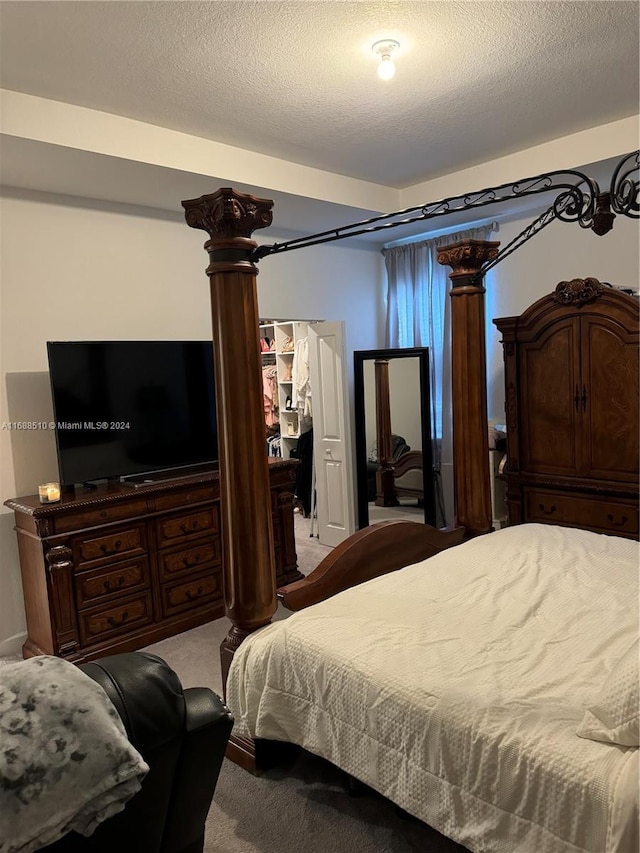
(474, 81)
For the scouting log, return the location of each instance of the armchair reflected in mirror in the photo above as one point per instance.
(393, 435)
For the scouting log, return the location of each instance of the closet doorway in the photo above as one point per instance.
(320, 419)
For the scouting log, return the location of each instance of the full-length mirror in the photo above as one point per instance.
(393, 435)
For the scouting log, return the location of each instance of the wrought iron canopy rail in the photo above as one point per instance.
(578, 199)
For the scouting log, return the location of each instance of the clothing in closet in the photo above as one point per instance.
(270, 394)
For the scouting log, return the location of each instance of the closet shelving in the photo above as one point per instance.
(281, 337)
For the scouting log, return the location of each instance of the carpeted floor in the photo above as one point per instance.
(303, 808)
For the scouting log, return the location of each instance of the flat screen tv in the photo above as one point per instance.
(126, 409)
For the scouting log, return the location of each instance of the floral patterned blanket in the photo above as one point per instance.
(65, 760)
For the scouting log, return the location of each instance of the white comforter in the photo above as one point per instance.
(455, 688)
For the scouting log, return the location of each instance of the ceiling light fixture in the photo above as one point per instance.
(385, 49)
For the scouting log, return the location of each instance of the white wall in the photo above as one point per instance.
(404, 401)
(74, 269)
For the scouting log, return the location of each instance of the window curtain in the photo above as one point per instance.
(418, 315)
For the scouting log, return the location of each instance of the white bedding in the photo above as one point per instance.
(455, 688)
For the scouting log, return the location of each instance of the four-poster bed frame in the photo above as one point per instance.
(230, 218)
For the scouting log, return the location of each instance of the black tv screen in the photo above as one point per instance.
(125, 408)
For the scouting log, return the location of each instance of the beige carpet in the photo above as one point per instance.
(404, 512)
(303, 808)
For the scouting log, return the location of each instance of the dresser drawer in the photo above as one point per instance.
(103, 584)
(176, 529)
(93, 517)
(129, 541)
(609, 516)
(175, 500)
(173, 563)
(178, 597)
(118, 619)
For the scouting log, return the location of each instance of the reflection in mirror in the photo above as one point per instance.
(393, 436)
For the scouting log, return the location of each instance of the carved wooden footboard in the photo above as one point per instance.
(408, 477)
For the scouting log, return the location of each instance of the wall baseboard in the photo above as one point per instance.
(11, 647)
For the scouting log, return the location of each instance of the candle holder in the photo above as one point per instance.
(49, 493)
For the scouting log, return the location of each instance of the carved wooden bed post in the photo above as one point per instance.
(469, 383)
(230, 217)
(385, 486)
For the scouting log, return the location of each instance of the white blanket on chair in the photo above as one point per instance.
(65, 760)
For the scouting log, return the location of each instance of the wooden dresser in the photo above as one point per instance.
(571, 377)
(118, 568)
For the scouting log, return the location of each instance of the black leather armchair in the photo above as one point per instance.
(182, 735)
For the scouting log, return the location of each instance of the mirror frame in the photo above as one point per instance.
(359, 358)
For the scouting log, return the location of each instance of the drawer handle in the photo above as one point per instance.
(546, 511)
(115, 623)
(192, 528)
(116, 547)
(108, 585)
(189, 564)
(620, 523)
(192, 596)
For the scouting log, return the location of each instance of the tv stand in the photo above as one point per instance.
(115, 569)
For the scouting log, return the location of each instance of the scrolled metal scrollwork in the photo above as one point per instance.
(578, 199)
(574, 205)
(625, 189)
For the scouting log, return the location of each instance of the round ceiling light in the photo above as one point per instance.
(385, 49)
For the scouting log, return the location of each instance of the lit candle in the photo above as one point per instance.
(49, 493)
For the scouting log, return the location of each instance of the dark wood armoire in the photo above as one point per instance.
(571, 403)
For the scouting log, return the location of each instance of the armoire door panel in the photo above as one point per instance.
(610, 380)
(548, 380)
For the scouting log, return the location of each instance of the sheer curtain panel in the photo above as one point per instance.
(418, 309)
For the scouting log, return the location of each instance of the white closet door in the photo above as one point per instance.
(331, 432)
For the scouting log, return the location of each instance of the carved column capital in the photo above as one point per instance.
(228, 213)
(467, 257)
(229, 217)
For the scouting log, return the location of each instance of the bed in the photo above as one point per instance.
(455, 687)
(463, 681)
(416, 628)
